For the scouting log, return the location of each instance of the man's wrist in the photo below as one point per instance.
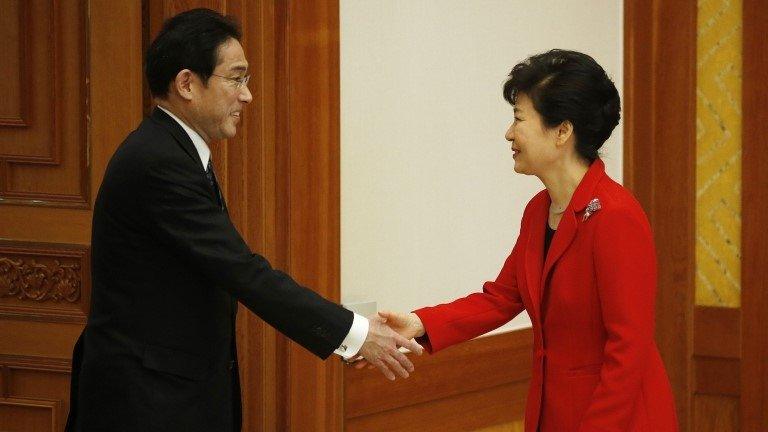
(354, 340)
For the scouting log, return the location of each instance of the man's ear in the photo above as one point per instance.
(182, 84)
(564, 132)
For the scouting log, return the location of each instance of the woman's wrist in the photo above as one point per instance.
(417, 324)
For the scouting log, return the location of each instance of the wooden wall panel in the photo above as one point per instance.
(314, 205)
(23, 415)
(44, 146)
(82, 97)
(487, 378)
(35, 393)
(754, 377)
(715, 414)
(716, 369)
(14, 107)
(659, 151)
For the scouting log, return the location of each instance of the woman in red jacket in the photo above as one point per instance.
(583, 266)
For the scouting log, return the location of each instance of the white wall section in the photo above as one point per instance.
(430, 204)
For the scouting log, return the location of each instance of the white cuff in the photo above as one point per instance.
(355, 338)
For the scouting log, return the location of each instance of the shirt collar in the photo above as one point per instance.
(197, 140)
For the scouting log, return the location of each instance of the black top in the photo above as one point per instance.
(548, 234)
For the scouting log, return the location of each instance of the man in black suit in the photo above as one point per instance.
(158, 352)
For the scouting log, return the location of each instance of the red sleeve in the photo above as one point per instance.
(625, 267)
(475, 314)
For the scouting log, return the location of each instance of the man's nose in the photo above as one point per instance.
(245, 95)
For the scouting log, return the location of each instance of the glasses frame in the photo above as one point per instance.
(240, 82)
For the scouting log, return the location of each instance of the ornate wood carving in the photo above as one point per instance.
(47, 282)
(38, 281)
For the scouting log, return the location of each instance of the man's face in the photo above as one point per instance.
(218, 107)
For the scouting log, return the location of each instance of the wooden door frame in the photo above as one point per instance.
(659, 166)
(296, 220)
(754, 354)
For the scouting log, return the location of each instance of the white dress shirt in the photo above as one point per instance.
(359, 330)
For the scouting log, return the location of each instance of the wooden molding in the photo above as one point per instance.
(44, 153)
(659, 166)
(754, 373)
(39, 414)
(22, 120)
(717, 332)
(717, 351)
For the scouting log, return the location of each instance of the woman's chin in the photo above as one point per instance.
(520, 168)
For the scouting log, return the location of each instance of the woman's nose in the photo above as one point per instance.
(510, 135)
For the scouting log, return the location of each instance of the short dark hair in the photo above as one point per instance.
(189, 40)
(568, 85)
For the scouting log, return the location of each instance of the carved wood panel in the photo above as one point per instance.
(43, 111)
(44, 282)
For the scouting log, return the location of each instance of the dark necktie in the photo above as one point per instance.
(214, 184)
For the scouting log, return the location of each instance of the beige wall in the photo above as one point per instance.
(430, 204)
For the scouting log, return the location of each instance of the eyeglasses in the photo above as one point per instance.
(240, 82)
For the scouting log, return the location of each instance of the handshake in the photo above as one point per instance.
(388, 332)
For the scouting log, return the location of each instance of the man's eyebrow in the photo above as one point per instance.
(242, 68)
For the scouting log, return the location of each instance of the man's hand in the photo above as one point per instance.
(381, 349)
(407, 326)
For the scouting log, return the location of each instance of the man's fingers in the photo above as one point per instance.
(384, 369)
(395, 365)
(403, 360)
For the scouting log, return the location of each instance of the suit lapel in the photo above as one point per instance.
(534, 250)
(181, 137)
(185, 142)
(536, 275)
(563, 238)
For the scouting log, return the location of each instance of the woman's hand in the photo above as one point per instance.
(406, 325)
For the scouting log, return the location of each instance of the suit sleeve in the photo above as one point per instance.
(182, 214)
(473, 315)
(625, 266)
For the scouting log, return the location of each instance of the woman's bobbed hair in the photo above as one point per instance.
(568, 85)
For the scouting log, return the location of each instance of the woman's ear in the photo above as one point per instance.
(564, 132)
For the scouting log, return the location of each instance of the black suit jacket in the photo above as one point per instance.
(168, 267)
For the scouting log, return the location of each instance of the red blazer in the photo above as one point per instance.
(596, 367)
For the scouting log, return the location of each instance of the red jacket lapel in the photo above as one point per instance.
(536, 276)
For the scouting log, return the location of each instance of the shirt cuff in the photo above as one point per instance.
(355, 338)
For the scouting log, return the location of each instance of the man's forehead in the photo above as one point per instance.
(232, 57)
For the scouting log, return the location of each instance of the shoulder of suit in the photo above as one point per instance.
(617, 202)
(150, 143)
(536, 200)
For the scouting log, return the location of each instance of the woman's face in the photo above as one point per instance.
(534, 146)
